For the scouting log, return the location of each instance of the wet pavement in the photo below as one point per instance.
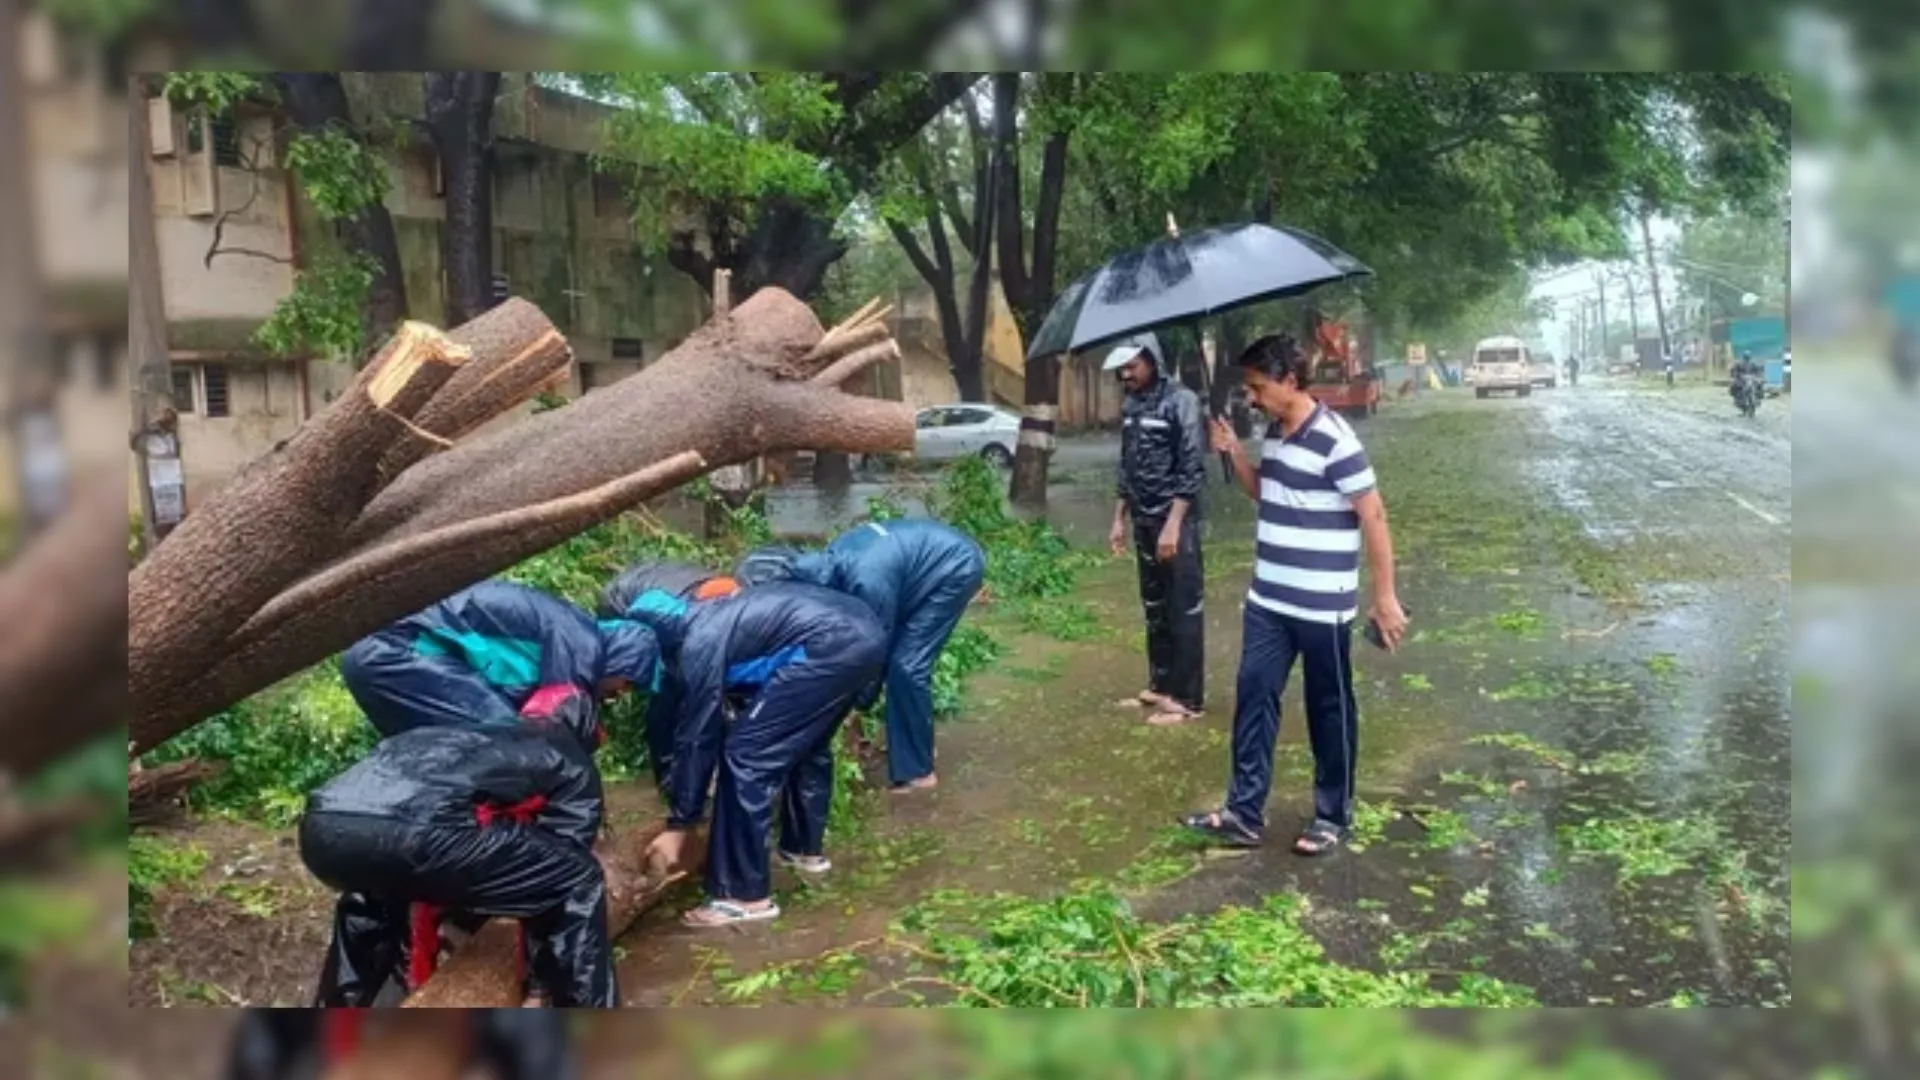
(1575, 776)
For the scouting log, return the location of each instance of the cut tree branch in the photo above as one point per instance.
(574, 513)
(735, 390)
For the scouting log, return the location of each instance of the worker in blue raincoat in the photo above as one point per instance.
(688, 582)
(795, 656)
(918, 576)
(478, 656)
(443, 821)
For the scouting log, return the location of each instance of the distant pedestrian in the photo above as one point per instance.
(1162, 469)
(1318, 504)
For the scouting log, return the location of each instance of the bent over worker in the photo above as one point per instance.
(475, 658)
(1162, 469)
(918, 576)
(796, 656)
(444, 820)
(687, 582)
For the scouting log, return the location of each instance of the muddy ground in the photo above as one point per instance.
(1575, 776)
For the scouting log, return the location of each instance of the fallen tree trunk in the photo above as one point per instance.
(763, 379)
(281, 515)
(63, 640)
(481, 974)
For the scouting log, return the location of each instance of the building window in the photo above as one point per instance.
(213, 383)
(628, 348)
(226, 141)
(183, 397)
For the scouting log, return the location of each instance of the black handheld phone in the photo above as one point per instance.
(1372, 632)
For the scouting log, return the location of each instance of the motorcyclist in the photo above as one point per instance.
(1745, 381)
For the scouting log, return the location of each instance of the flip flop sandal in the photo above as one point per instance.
(1171, 714)
(1223, 828)
(806, 864)
(909, 787)
(1319, 838)
(715, 914)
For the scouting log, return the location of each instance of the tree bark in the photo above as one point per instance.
(63, 643)
(317, 101)
(459, 107)
(321, 572)
(481, 974)
(1029, 287)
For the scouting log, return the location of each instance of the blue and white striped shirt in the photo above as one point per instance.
(1307, 562)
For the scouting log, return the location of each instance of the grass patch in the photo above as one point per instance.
(1642, 847)
(1089, 950)
(154, 864)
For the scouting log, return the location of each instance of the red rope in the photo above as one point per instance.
(425, 944)
(340, 1033)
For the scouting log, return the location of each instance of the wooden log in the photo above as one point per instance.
(482, 973)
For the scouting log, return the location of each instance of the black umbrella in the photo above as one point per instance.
(1185, 277)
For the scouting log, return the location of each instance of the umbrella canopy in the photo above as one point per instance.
(1189, 276)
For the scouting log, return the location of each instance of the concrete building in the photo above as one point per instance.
(562, 239)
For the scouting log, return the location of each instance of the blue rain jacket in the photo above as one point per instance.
(734, 646)
(479, 657)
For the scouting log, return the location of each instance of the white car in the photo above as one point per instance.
(1546, 370)
(951, 432)
(1501, 363)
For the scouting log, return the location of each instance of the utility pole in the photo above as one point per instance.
(155, 437)
(1600, 282)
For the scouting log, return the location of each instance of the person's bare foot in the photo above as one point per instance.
(1145, 699)
(925, 783)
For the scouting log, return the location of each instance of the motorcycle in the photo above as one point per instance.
(1746, 394)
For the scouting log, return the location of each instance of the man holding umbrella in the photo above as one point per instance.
(1162, 468)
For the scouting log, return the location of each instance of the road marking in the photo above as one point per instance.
(1757, 512)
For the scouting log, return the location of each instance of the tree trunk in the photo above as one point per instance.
(1029, 290)
(481, 974)
(316, 101)
(1653, 274)
(339, 542)
(63, 643)
(459, 107)
(789, 247)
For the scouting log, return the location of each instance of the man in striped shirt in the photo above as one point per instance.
(1318, 508)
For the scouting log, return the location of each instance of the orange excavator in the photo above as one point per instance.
(1341, 380)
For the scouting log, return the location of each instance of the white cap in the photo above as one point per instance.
(1120, 355)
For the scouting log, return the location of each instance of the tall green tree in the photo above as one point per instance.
(750, 172)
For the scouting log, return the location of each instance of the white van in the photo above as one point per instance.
(1501, 363)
